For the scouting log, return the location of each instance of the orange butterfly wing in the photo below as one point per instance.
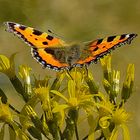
(33, 37)
(52, 52)
(101, 47)
(47, 59)
(39, 41)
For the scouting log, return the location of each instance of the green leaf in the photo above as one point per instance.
(2, 133)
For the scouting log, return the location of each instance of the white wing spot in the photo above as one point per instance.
(127, 35)
(17, 25)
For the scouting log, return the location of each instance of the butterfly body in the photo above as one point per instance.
(56, 54)
(67, 56)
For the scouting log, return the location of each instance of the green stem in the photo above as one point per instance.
(71, 127)
(76, 131)
(85, 137)
(19, 88)
(53, 127)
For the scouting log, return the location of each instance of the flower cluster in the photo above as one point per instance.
(64, 101)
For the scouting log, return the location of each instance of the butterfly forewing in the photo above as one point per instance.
(101, 47)
(33, 37)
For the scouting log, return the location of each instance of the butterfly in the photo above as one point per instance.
(54, 53)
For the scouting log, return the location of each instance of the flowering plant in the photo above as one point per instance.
(65, 101)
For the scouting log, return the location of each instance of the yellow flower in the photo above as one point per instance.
(106, 63)
(24, 72)
(116, 82)
(73, 102)
(7, 65)
(38, 82)
(128, 83)
(120, 116)
(105, 106)
(43, 94)
(5, 114)
(104, 122)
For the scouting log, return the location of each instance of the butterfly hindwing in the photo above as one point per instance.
(40, 43)
(53, 58)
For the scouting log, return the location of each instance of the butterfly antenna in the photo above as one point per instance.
(54, 33)
(50, 31)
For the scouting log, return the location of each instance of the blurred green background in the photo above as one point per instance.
(75, 20)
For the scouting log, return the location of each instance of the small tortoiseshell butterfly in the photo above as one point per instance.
(54, 53)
